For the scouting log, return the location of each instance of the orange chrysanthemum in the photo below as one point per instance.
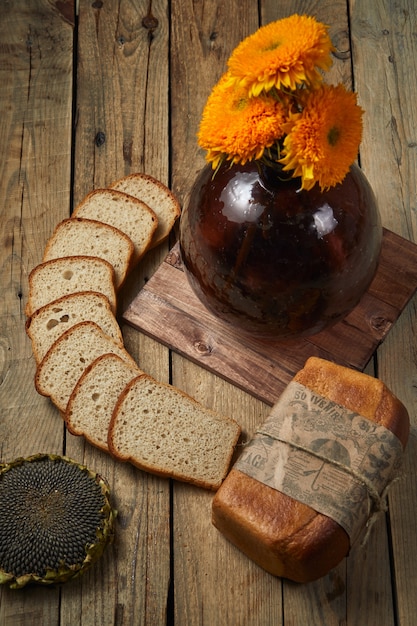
(282, 54)
(323, 140)
(237, 128)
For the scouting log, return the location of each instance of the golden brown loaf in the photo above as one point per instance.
(284, 536)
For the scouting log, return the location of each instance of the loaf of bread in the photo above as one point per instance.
(126, 213)
(52, 320)
(59, 277)
(161, 430)
(157, 196)
(84, 237)
(90, 406)
(283, 535)
(67, 359)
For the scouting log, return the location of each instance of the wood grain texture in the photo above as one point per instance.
(122, 110)
(35, 136)
(128, 97)
(330, 600)
(385, 33)
(203, 35)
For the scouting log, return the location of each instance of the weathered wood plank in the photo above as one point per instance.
(121, 127)
(210, 584)
(385, 33)
(35, 101)
(35, 136)
(121, 123)
(327, 603)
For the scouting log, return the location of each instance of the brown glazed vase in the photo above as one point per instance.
(275, 261)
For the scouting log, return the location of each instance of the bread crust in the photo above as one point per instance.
(285, 537)
(145, 187)
(130, 372)
(32, 304)
(55, 387)
(57, 245)
(62, 307)
(166, 469)
(90, 208)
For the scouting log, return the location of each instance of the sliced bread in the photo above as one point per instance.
(59, 277)
(157, 196)
(160, 429)
(128, 214)
(52, 320)
(94, 397)
(79, 236)
(70, 355)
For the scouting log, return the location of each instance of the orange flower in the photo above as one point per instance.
(323, 140)
(282, 54)
(237, 128)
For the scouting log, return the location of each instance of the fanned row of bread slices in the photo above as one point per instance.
(82, 364)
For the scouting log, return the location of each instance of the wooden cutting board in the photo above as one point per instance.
(167, 310)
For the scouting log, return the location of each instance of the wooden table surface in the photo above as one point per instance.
(88, 94)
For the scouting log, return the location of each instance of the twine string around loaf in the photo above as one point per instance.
(378, 500)
(383, 507)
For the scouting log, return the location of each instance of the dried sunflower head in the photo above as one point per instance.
(55, 520)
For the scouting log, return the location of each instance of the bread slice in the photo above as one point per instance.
(71, 354)
(59, 277)
(284, 536)
(95, 395)
(160, 429)
(52, 320)
(157, 196)
(130, 215)
(79, 236)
